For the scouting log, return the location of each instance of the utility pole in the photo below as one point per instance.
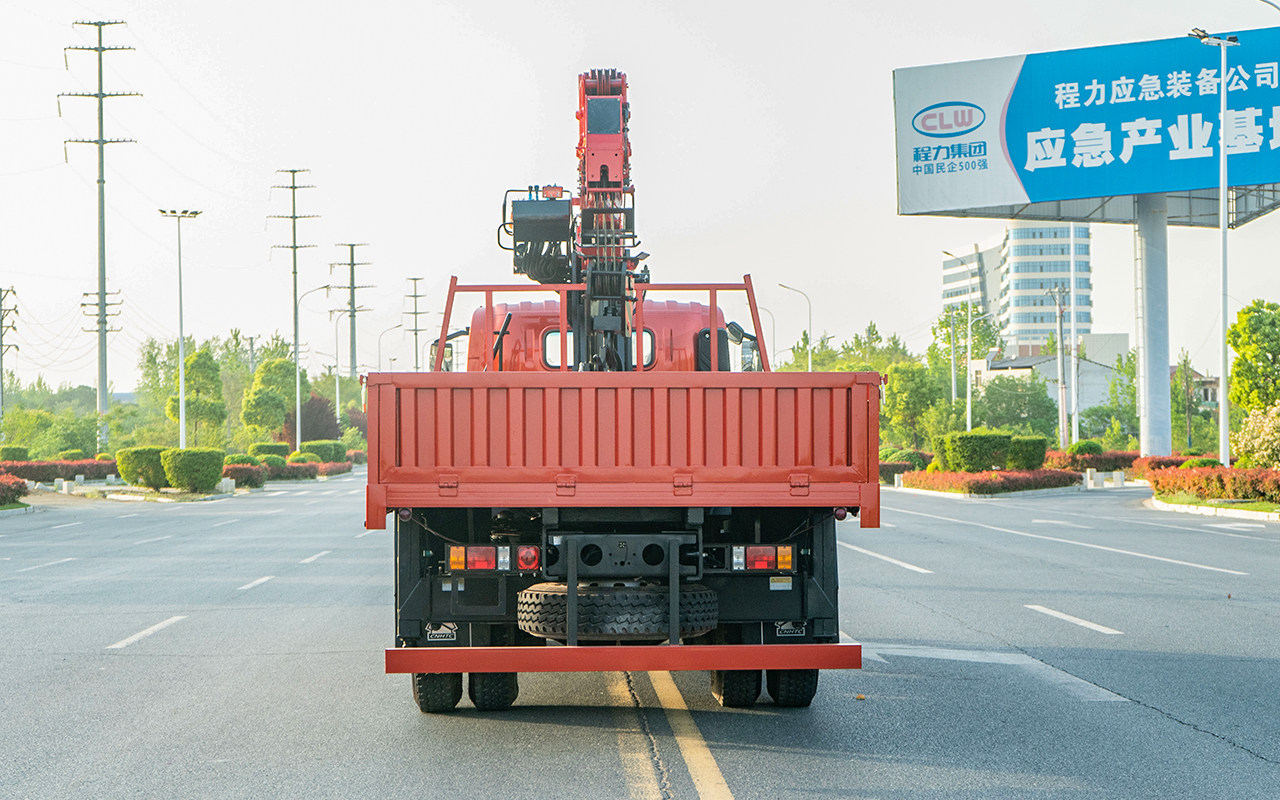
(293, 246)
(253, 361)
(951, 326)
(1060, 304)
(101, 142)
(417, 355)
(5, 325)
(351, 287)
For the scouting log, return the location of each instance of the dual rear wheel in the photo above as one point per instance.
(437, 693)
(793, 688)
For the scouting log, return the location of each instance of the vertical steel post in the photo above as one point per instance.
(1224, 418)
(1155, 430)
(1075, 344)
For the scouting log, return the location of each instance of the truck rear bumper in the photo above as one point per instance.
(615, 658)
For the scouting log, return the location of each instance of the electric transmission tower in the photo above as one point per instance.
(417, 354)
(102, 141)
(5, 325)
(351, 287)
(293, 216)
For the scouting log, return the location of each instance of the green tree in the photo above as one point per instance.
(908, 395)
(986, 337)
(1255, 372)
(1021, 405)
(205, 406)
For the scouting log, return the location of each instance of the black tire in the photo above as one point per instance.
(794, 688)
(736, 688)
(437, 692)
(611, 613)
(493, 691)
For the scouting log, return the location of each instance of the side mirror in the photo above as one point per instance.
(735, 332)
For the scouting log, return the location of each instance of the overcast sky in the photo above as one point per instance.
(762, 139)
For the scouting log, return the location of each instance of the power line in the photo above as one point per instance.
(293, 216)
(352, 310)
(416, 329)
(101, 142)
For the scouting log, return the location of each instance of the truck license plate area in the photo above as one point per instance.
(623, 555)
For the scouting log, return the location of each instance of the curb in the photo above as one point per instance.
(959, 495)
(1213, 511)
(9, 512)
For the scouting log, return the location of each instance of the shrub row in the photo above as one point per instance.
(1143, 467)
(991, 482)
(249, 476)
(12, 452)
(329, 450)
(260, 449)
(333, 468)
(49, 471)
(11, 488)
(1218, 483)
(977, 451)
(293, 472)
(890, 468)
(357, 456)
(1109, 461)
(194, 469)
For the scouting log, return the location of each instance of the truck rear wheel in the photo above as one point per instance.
(437, 692)
(736, 688)
(792, 687)
(612, 612)
(493, 691)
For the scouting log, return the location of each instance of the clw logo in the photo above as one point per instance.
(943, 120)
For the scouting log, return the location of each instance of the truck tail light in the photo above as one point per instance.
(784, 557)
(762, 557)
(457, 558)
(527, 557)
(482, 558)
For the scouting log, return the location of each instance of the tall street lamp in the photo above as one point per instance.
(297, 373)
(773, 333)
(968, 370)
(182, 349)
(384, 333)
(809, 340)
(1224, 443)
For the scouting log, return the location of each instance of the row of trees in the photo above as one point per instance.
(235, 396)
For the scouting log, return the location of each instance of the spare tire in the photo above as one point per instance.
(615, 612)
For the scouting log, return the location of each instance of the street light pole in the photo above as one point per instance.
(968, 370)
(1058, 303)
(809, 340)
(1224, 442)
(297, 371)
(773, 334)
(384, 333)
(182, 349)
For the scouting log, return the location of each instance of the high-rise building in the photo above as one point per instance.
(1015, 281)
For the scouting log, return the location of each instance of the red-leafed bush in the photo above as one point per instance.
(357, 456)
(1218, 483)
(991, 482)
(1143, 467)
(890, 468)
(293, 472)
(11, 488)
(48, 471)
(1109, 461)
(246, 475)
(333, 467)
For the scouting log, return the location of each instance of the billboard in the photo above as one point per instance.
(1097, 122)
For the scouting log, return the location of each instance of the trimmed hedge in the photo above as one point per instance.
(977, 451)
(195, 469)
(940, 454)
(1218, 483)
(329, 450)
(141, 466)
(991, 482)
(357, 456)
(298, 457)
(248, 475)
(1027, 452)
(49, 471)
(333, 468)
(890, 468)
(260, 449)
(1110, 461)
(70, 455)
(296, 472)
(1085, 447)
(11, 488)
(1199, 461)
(241, 458)
(104, 457)
(13, 452)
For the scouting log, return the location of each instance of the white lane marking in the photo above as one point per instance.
(1084, 623)
(126, 516)
(159, 626)
(156, 539)
(1236, 526)
(867, 655)
(252, 584)
(1061, 522)
(893, 561)
(278, 492)
(274, 511)
(366, 533)
(50, 564)
(321, 554)
(708, 781)
(883, 524)
(356, 491)
(1081, 689)
(1148, 523)
(66, 525)
(1072, 541)
(228, 522)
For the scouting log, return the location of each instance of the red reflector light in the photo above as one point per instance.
(527, 557)
(762, 557)
(482, 558)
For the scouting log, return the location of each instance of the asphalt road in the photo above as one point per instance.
(1059, 646)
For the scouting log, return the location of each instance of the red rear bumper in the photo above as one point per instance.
(614, 658)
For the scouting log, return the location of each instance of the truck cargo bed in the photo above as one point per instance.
(623, 439)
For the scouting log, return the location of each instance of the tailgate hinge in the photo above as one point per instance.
(566, 485)
(682, 485)
(448, 485)
(799, 485)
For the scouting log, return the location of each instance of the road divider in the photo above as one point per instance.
(707, 779)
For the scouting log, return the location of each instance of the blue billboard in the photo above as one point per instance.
(1097, 122)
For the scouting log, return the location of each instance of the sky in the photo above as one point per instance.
(762, 142)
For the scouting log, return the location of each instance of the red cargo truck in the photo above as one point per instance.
(604, 487)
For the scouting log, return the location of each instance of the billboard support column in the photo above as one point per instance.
(1152, 214)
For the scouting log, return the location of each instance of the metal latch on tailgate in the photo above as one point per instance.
(566, 485)
(799, 485)
(448, 485)
(682, 485)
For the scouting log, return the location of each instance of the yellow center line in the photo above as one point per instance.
(633, 747)
(706, 775)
